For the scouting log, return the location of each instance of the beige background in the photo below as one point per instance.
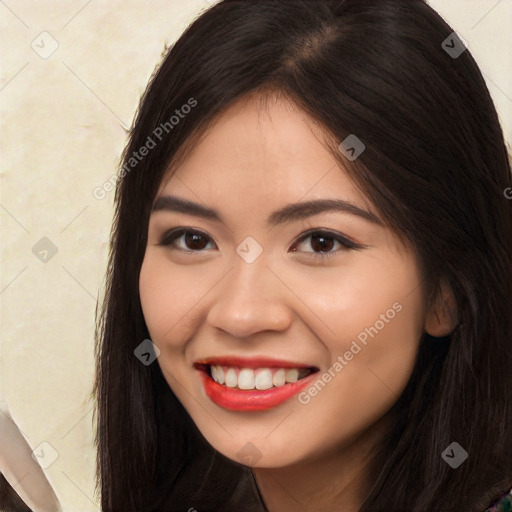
(63, 120)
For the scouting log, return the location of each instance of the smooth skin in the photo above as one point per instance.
(287, 304)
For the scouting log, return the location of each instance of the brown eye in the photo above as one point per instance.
(186, 240)
(323, 243)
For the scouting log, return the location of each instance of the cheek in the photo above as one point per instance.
(167, 298)
(378, 320)
(363, 381)
(173, 297)
(373, 320)
(368, 295)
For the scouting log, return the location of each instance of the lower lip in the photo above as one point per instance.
(254, 400)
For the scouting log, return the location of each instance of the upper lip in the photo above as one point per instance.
(252, 362)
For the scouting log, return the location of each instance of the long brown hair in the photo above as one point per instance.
(436, 168)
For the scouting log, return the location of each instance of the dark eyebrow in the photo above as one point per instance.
(289, 213)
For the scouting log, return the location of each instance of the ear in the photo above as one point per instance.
(441, 318)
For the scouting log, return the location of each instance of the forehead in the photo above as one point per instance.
(265, 148)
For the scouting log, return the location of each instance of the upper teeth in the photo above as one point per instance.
(259, 378)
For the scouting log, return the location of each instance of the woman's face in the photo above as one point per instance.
(250, 296)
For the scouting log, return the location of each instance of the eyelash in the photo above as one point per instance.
(169, 238)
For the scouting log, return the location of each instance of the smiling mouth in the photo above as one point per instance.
(237, 387)
(247, 379)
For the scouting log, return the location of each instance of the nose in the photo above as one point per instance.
(251, 298)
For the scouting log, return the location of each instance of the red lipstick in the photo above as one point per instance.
(237, 399)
